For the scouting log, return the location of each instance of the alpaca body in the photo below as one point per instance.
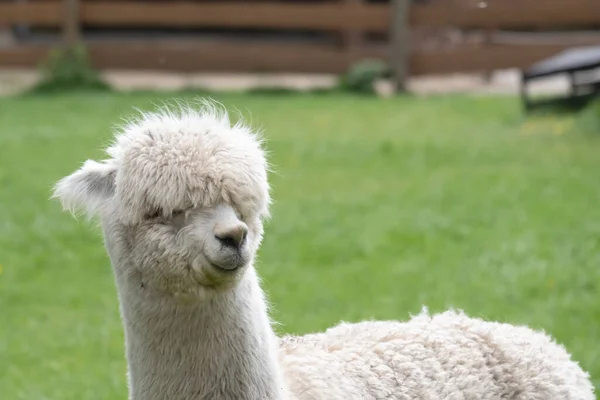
(182, 200)
(444, 356)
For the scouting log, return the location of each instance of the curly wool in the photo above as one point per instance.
(171, 160)
(445, 356)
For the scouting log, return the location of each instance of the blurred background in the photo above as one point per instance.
(441, 153)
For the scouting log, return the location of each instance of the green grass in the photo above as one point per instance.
(381, 206)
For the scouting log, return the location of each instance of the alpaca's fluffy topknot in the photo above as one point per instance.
(170, 161)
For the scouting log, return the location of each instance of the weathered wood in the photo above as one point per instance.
(42, 14)
(399, 44)
(335, 16)
(343, 16)
(476, 59)
(7, 37)
(23, 56)
(71, 23)
(507, 14)
(488, 75)
(352, 38)
(194, 56)
(319, 16)
(348, 17)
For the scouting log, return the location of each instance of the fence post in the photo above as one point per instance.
(71, 26)
(400, 43)
(487, 40)
(352, 39)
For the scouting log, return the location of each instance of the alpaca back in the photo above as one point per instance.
(447, 356)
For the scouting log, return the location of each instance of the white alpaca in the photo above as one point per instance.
(181, 200)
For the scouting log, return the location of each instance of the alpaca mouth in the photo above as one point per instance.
(227, 267)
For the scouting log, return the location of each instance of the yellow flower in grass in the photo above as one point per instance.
(561, 127)
(547, 126)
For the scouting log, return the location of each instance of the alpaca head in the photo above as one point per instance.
(181, 200)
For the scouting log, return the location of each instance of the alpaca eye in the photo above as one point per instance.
(154, 214)
(240, 216)
(177, 213)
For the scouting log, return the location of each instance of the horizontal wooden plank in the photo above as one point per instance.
(326, 16)
(487, 14)
(472, 59)
(572, 38)
(507, 13)
(46, 13)
(189, 56)
(24, 56)
(192, 56)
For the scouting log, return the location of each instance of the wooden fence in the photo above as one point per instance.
(351, 20)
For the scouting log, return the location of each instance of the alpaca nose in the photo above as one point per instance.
(232, 236)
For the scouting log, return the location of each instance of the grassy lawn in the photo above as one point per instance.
(381, 207)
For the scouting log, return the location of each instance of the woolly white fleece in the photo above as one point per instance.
(445, 356)
(196, 331)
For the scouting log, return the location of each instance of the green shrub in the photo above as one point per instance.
(362, 76)
(67, 70)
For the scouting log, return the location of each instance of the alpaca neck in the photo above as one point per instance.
(222, 348)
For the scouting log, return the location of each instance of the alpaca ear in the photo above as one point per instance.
(89, 188)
